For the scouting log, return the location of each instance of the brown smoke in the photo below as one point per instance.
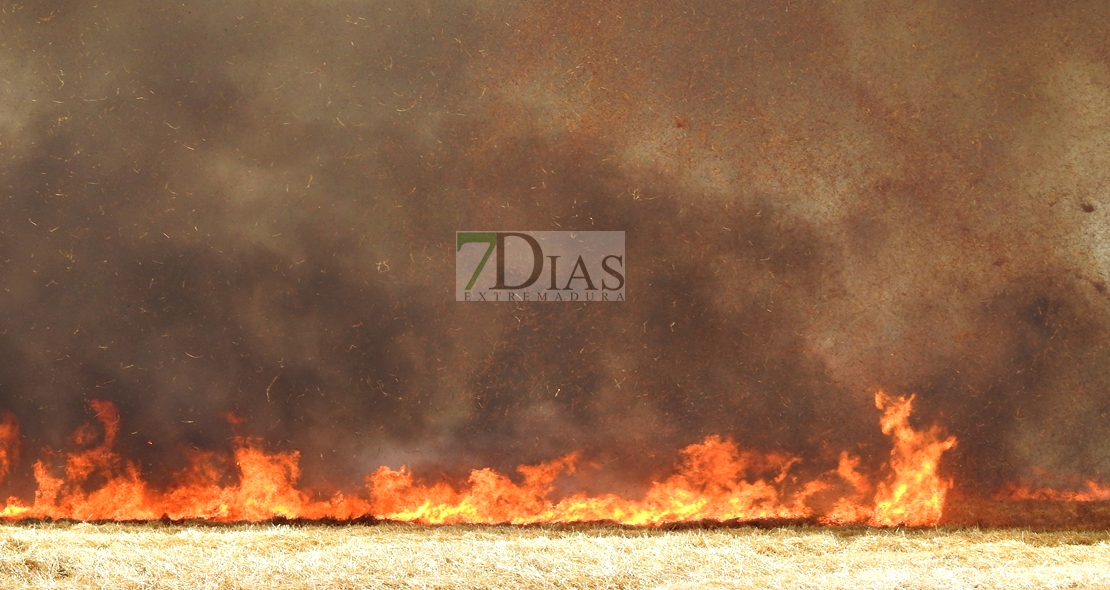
(214, 207)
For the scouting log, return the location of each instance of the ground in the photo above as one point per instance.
(196, 557)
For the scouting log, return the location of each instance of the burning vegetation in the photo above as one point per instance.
(715, 480)
(245, 210)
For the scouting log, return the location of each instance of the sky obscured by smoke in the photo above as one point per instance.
(241, 208)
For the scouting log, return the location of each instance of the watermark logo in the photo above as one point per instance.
(539, 266)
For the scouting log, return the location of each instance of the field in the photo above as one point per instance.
(157, 555)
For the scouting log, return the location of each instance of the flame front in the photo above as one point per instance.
(1092, 492)
(715, 480)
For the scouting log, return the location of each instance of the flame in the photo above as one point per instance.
(715, 480)
(1094, 492)
(916, 494)
(709, 485)
(9, 443)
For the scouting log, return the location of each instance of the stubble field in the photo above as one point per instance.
(156, 555)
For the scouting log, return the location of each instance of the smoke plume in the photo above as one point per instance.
(238, 218)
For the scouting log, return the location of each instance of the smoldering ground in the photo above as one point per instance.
(215, 210)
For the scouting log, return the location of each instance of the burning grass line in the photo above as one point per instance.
(714, 479)
(64, 555)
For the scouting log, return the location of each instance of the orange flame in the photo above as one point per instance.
(9, 443)
(715, 480)
(1094, 492)
(916, 494)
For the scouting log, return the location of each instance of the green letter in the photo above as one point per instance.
(466, 237)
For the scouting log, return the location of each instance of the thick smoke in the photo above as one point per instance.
(222, 210)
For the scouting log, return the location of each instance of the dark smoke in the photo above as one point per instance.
(240, 208)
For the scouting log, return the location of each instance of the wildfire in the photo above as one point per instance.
(715, 480)
(1094, 492)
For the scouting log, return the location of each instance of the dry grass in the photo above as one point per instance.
(68, 555)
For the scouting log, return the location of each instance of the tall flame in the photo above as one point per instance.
(915, 496)
(714, 480)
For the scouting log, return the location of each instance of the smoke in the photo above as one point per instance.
(213, 209)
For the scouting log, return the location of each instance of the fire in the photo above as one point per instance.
(715, 480)
(916, 494)
(1093, 492)
(9, 443)
(709, 485)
